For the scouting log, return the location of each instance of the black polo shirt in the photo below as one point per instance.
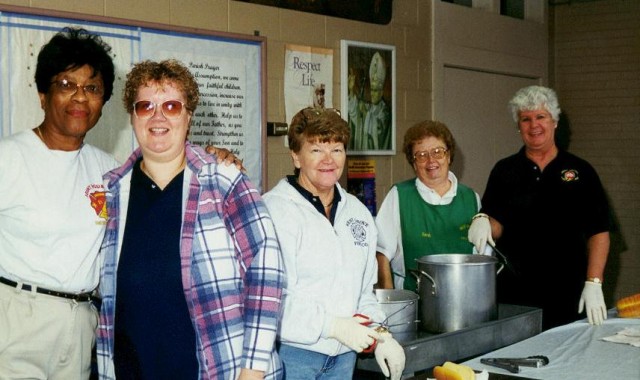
(547, 218)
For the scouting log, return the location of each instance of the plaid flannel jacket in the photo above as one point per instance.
(232, 270)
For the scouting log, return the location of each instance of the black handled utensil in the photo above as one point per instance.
(504, 259)
(513, 364)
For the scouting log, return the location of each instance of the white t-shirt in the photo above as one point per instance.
(52, 214)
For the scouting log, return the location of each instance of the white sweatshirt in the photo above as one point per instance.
(330, 270)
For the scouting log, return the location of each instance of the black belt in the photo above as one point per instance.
(82, 297)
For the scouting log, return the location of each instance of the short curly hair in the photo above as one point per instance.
(72, 48)
(317, 124)
(424, 129)
(534, 98)
(168, 71)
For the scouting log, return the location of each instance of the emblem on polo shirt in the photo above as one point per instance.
(569, 175)
(359, 231)
(98, 199)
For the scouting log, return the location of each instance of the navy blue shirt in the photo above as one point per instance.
(154, 336)
(315, 200)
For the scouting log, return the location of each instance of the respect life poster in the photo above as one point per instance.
(308, 78)
(361, 182)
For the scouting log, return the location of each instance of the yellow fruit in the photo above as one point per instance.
(629, 307)
(452, 371)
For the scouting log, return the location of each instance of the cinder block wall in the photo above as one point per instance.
(409, 31)
(596, 64)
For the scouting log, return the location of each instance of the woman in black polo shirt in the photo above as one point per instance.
(548, 211)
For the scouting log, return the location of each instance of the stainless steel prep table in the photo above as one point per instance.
(425, 350)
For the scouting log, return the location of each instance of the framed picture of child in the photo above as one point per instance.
(368, 96)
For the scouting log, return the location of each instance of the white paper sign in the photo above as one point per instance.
(308, 78)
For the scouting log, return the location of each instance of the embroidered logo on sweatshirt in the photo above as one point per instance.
(359, 231)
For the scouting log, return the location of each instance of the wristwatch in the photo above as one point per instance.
(595, 280)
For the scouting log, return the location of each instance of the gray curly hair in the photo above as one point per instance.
(534, 98)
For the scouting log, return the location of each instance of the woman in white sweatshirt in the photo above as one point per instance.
(328, 242)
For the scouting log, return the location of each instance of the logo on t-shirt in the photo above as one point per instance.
(98, 199)
(569, 175)
(359, 231)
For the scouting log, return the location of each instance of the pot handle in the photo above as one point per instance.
(502, 260)
(418, 273)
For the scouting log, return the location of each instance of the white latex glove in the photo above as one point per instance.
(390, 357)
(352, 334)
(593, 299)
(480, 233)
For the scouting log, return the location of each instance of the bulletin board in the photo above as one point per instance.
(230, 70)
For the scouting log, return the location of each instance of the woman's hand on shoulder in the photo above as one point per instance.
(226, 156)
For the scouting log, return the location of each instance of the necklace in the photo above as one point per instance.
(144, 169)
(328, 204)
(164, 180)
(39, 132)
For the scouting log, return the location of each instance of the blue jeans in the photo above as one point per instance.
(300, 364)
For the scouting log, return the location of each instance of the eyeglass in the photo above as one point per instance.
(145, 109)
(435, 153)
(70, 88)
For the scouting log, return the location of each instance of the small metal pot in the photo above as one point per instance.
(456, 291)
(401, 308)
